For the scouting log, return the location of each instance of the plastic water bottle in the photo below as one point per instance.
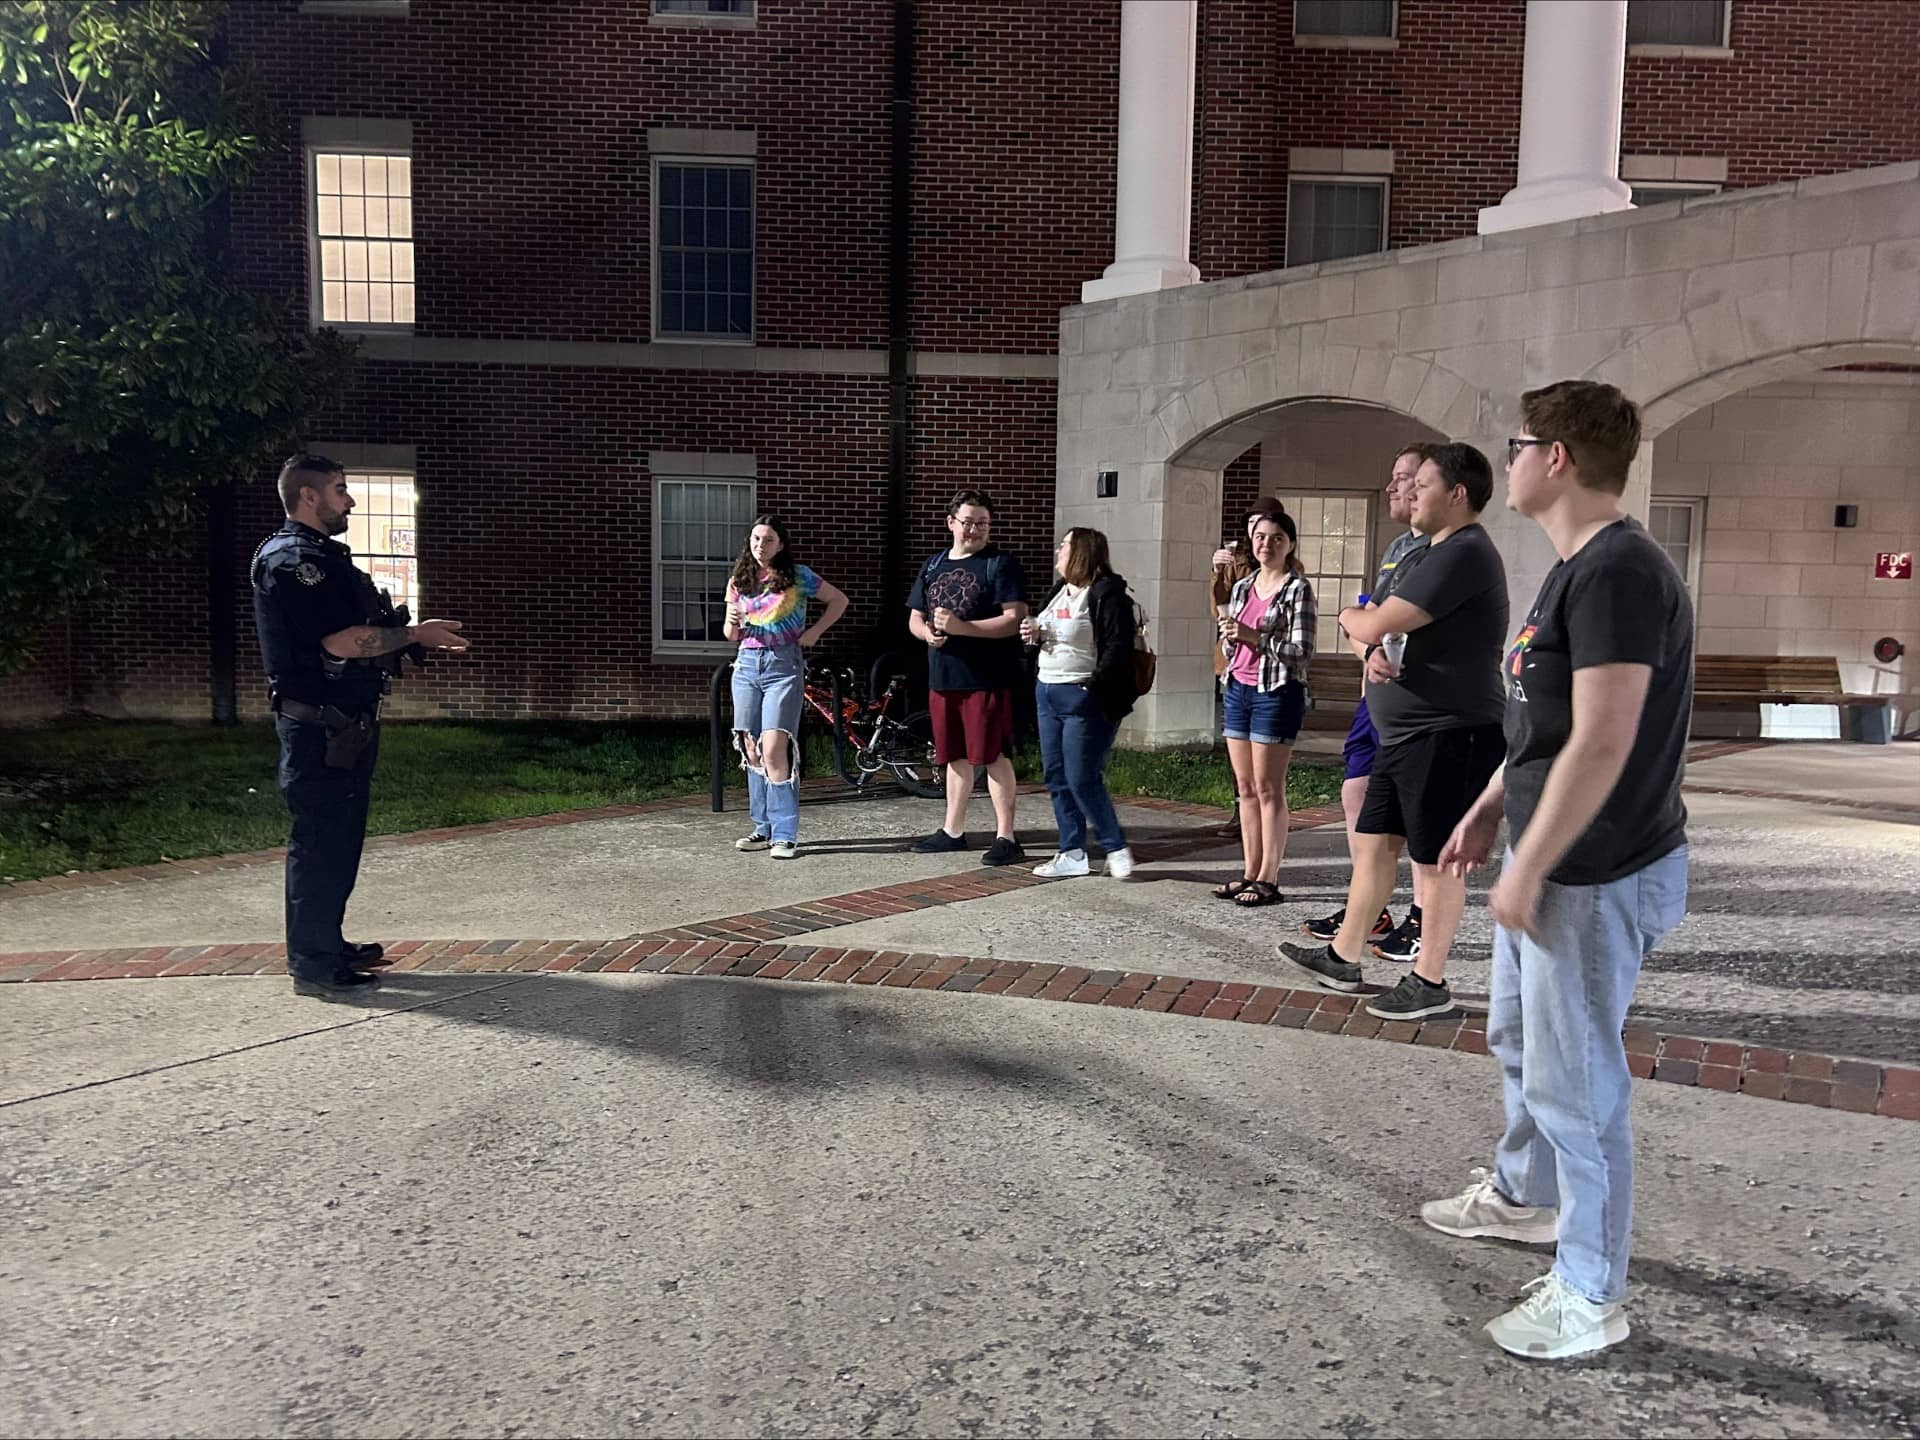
(1396, 647)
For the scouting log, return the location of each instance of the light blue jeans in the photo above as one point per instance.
(1559, 1001)
(767, 689)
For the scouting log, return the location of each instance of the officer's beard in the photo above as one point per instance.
(332, 522)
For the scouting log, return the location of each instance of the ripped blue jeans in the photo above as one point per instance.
(767, 689)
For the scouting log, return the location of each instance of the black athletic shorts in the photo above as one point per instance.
(1423, 786)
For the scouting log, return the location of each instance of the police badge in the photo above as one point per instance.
(309, 573)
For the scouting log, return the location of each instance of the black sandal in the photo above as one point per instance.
(1231, 890)
(1262, 892)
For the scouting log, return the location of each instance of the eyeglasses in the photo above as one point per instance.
(1518, 443)
(972, 524)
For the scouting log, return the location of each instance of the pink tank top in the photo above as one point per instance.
(1245, 666)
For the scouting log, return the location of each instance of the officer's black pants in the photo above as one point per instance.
(329, 809)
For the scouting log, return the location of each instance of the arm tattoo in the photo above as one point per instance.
(375, 641)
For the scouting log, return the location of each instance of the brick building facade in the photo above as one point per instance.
(531, 393)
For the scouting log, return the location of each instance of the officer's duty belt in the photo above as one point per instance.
(317, 714)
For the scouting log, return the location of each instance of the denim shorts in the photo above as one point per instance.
(1269, 719)
(767, 688)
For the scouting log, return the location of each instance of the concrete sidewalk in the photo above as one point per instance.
(653, 1205)
(1799, 933)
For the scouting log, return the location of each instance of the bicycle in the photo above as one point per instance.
(865, 732)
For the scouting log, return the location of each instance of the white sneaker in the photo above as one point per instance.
(1066, 863)
(1120, 863)
(1555, 1323)
(784, 849)
(756, 841)
(1481, 1212)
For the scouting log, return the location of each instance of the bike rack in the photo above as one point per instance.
(839, 730)
(718, 736)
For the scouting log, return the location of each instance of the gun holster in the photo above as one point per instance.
(348, 736)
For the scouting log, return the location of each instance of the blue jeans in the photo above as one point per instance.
(1075, 736)
(767, 687)
(1559, 1001)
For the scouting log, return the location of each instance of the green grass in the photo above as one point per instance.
(96, 796)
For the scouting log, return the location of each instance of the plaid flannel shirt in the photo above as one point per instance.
(1286, 631)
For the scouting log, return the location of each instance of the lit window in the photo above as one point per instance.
(703, 261)
(1332, 219)
(1335, 551)
(382, 532)
(1699, 23)
(699, 527)
(362, 238)
(1346, 18)
(1675, 528)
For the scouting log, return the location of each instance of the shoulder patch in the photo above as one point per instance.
(308, 573)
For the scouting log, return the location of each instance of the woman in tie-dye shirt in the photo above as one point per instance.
(767, 598)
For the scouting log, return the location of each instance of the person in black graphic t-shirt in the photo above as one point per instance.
(1599, 685)
(967, 605)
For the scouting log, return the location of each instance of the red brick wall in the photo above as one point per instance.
(530, 155)
(1813, 87)
(1015, 127)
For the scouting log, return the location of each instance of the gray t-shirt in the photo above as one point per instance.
(1450, 675)
(1397, 552)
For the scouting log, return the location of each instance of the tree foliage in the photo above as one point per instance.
(134, 373)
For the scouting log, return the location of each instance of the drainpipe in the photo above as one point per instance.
(895, 566)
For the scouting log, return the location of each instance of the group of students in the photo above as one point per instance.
(969, 607)
(1573, 733)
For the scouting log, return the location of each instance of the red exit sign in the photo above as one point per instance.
(1888, 565)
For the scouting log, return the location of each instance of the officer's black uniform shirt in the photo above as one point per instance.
(306, 587)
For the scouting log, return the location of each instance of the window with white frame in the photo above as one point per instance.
(703, 248)
(362, 237)
(1659, 193)
(1699, 24)
(1674, 525)
(382, 530)
(704, 7)
(1331, 219)
(1336, 531)
(1344, 18)
(699, 525)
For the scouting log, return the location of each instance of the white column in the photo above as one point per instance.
(1575, 63)
(1154, 199)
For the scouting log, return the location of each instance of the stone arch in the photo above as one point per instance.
(1211, 421)
(1660, 412)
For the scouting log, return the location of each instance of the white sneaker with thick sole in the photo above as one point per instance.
(756, 841)
(1480, 1212)
(1557, 1323)
(784, 849)
(1120, 863)
(1064, 865)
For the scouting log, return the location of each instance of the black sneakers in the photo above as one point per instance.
(1329, 971)
(1404, 943)
(1004, 851)
(940, 843)
(370, 956)
(1412, 999)
(1325, 929)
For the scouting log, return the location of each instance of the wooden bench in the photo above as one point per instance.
(1333, 683)
(1731, 688)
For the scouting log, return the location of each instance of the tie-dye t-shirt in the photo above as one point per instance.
(776, 617)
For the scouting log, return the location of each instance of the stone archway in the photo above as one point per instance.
(1679, 304)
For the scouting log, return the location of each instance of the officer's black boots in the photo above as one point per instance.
(371, 956)
(342, 984)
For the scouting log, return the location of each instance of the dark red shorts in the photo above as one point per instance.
(971, 725)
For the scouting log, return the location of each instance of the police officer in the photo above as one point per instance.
(328, 641)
